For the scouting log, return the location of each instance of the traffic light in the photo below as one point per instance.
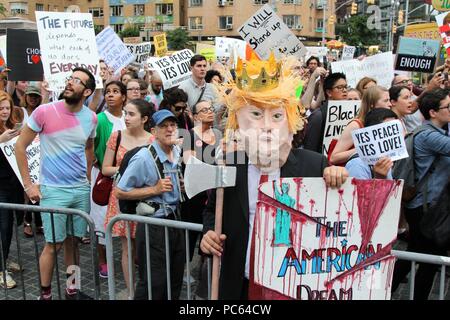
(354, 8)
(331, 19)
(400, 17)
(394, 28)
(370, 1)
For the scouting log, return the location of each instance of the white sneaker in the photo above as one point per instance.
(10, 283)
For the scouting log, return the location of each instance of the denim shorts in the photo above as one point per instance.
(69, 198)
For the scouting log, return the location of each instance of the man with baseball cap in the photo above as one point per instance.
(161, 191)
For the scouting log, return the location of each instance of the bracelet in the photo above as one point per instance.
(26, 189)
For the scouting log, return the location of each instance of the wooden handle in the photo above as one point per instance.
(216, 259)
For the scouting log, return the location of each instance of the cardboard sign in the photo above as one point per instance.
(141, 51)
(348, 52)
(423, 31)
(174, 69)
(113, 50)
(160, 43)
(3, 51)
(379, 67)
(382, 140)
(265, 32)
(207, 50)
(67, 41)
(318, 52)
(33, 156)
(339, 114)
(311, 242)
(416, 55)
(24, 56)
(224, 47)
(443, 22)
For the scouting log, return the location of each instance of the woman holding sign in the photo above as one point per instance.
(10, 186)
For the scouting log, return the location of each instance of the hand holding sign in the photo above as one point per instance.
(382, 167)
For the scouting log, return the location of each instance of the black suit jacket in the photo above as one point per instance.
(300, 163)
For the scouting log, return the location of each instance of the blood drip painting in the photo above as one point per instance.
(311, 242)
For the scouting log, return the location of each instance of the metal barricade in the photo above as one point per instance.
(423, 258)
(147, 221)
(52, 211)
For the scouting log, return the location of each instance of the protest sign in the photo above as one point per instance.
(150, 62)
(266, 32)
(382, 140)
(443, 22)
(224, 47)
(113, 50)
(174, 69)
(67, 41)
(132, 40)
(318, 52)
(416, 55)
(379, 67)
(33, 156)
(423, 31)
(339, 114)
(348, 52)
(206, 50)
(160, 44)
(3, 51)
(140, 50)
(24, 55)
(311, 242)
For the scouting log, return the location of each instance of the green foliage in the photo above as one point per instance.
(3, 10)
(130, 31)
(355, 32)
(178, 39)
(97, 29)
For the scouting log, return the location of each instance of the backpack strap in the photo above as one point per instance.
(157, 161)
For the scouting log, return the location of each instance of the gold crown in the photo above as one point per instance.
(257, 75)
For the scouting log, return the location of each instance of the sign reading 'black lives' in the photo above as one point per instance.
(24, 55)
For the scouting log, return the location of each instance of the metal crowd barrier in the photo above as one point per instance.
(186, 226)
(70, 213)
(423, 258)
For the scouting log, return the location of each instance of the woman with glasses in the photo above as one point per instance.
(109, 121)
(133, 90)
(175, 100)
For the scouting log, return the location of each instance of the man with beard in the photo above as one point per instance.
(265, 114)
(155, 95)
(66, 130)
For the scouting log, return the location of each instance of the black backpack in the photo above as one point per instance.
(129, 206)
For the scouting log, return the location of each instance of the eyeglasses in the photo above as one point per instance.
(76, 81)
(181, 108)
(134, 89)
(447, 107)
(342, 87)
(404, 82)
(205, 110)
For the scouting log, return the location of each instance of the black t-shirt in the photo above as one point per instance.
(204, 152)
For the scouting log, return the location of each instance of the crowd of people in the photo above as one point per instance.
(135, 123)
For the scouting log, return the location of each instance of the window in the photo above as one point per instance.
(223, 3)
(163, 9)
(319, 24)
(292, 1)
(116, 11)
(260, 1)
(195, 23)
(96, 12)
(118, 28)
(18, 8)
(293, 22)
(195, 3)
(226, 23)
(39, 7)
(139, 9)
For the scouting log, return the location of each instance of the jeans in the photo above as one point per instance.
(6, 227)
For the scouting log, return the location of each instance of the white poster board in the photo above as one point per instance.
(113, 50)
(318, 52)
(266, 32)
(3, 47)
(33, 156)
(339, 114)
(140, 50)
(225, 46)
(379, 67)
(348, 52)
(67, 41)
(382, 140)
(175, 68)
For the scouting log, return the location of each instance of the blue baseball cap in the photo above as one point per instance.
(162, 115)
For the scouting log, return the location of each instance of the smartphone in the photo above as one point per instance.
(445, 76)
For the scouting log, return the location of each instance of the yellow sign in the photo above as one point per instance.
(423, 31)
(160, 43)
(207, 50)
(441, 5)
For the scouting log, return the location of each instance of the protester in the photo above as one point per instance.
(127, 76)
(401, 103)
(143, 86)
(414, 118)
(353, 94)
(10, 187)
(364, 84)
(133, 90)
(156, 92)
(137, 133)
(143, 181)
(432, 158)
(175, 100)
(66, 130)
(312, 63)
(17, 90)
(214, 77)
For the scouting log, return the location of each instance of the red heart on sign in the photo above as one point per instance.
(35, 58)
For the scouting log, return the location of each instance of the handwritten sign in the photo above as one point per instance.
(33, 156)
(348, 52)
(339, 114)
(382, 140)
(174, 69)
(141, 51)
(266, 32)
(67, 41)
(113, 50)
(311, 242)
(443, 22)
(379, 67)
(225, 46)
(318, 52)
(160, 43)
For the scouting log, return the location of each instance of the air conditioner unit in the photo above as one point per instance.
(229, 27)
(298, 27)
(221, 3)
